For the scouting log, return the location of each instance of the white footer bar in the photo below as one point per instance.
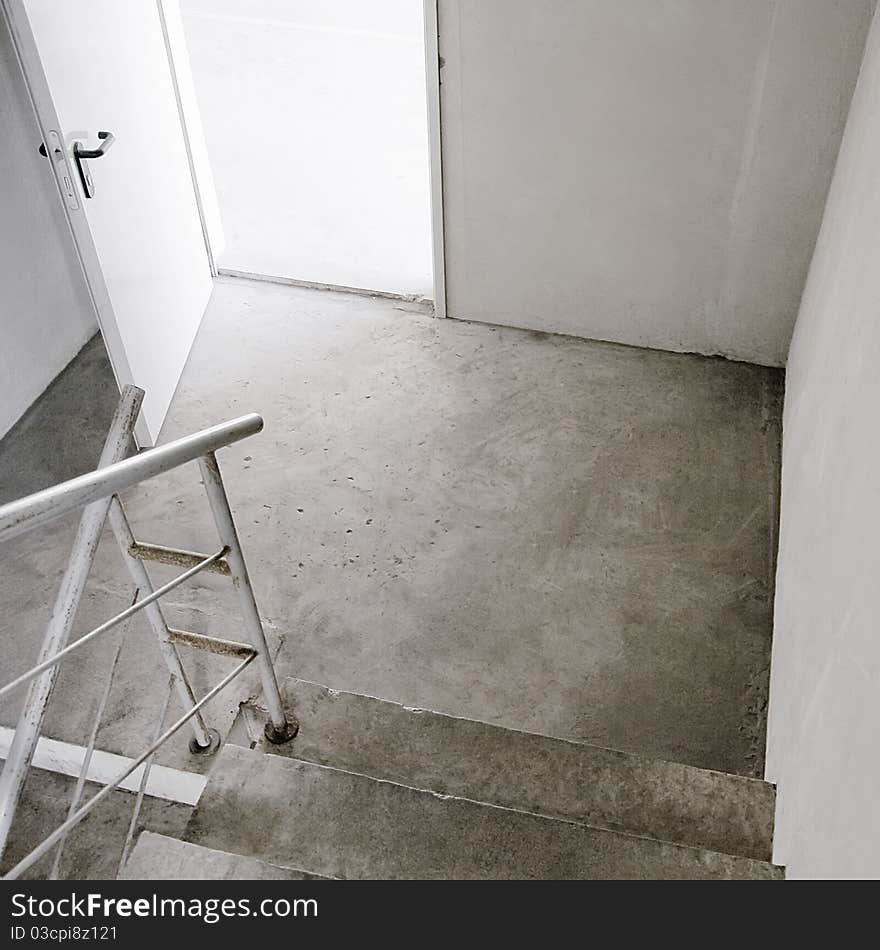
(65, 758)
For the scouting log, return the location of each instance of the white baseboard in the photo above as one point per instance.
(64, 758)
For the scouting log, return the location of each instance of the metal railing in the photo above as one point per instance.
(97, 493)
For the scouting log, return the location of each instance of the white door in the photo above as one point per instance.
(102, 66)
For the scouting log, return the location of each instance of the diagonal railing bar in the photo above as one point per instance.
(90, 748)
(145, 777)
(111, 623)
(30, 859)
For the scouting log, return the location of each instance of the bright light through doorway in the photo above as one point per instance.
(316, 124)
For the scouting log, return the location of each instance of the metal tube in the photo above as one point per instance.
(279, 728)
(125, 538)
(54, 660)
(35, 855)
(26, 513)
(27, 730)
(90, 748)
(145, 777)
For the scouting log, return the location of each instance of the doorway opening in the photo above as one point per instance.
(316, 127)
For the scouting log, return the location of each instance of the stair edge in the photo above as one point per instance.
(725, 813)
(293, 762)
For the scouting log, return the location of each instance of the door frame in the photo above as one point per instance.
(432, 76)
(433, 65)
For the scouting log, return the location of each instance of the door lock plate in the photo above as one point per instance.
(57, 155)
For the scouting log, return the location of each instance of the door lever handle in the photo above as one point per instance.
(80, 154)
(107, 139)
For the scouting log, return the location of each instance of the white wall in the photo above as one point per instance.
(45, 312)
(646, 171)
(825, 676)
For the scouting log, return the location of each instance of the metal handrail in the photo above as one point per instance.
(97, 492)
(29, 512)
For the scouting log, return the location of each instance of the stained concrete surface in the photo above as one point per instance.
(158, 857)
(559, 536)
(355, 827)
(555, 778)
(93, 849)
(541, 532)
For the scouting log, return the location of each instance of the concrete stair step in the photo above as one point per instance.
(532, 773)
(346, 825)
(160, 858)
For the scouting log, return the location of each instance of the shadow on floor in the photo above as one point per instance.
(63, 432)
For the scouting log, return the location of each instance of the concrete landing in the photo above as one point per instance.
(548, 534)
(554, 535)
(545, 776)
(340, 824)
(160, 858)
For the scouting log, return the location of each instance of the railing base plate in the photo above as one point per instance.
(208, 749)
(279, 736)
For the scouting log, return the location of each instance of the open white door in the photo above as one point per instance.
(101, 66)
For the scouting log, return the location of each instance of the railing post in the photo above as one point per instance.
(280, 728)
(27, 730)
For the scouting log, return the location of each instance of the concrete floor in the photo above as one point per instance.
(560, 536)
(59, 436)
